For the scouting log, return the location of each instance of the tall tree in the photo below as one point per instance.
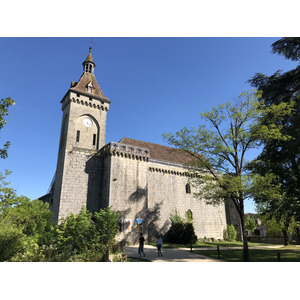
(4, 105)
(250, 223)
(282, 157)
(218, 164)
(289, 47)
(7, 194)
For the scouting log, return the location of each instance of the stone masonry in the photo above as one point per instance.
(146, 182)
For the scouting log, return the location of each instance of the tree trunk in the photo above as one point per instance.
(286, 237)
(244, 236)
(240, 208)
(298, 235)
(105, 256)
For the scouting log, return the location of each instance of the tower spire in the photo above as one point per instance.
(88, 64)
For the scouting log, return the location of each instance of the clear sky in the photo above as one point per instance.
(155, 85)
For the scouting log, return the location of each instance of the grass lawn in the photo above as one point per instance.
(210, 244)
(287, 254)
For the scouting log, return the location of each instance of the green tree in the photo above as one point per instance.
(28, 234)
(288, 47)
(32, 216)
(107, 224)
(4, 105)
(282, 157)
(22, 229)
(85, 236)
(218, 153)
(8, 196)
(250, 223)
(72, 236)
(11, 240)
(275, 206)
(273, 229)
(230, 233)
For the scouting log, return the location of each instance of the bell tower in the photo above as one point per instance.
(83, 131)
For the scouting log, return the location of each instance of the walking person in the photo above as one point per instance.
(141, 245)
(159, 242)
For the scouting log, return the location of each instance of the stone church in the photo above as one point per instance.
(146, 182)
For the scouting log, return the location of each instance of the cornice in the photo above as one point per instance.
(125, 151)
(87, 103)
(94, 97)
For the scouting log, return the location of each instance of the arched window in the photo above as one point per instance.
(188, 188)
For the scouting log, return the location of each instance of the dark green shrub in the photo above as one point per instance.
(230, 233)
(175, 234)
(11, 241)
(181, 233)
(190, 236)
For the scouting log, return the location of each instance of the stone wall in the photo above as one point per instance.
(167, 191)
(81, 105)
(80, 177)
(233, 218)
(74, 188)
(142, 188)
(128, 192)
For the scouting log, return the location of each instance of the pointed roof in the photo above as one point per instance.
(88, 79)
(89, 57)
(160, 152)
(85, 79)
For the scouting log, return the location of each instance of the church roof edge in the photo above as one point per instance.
(160, 152)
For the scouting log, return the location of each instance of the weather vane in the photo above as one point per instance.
(91, 43)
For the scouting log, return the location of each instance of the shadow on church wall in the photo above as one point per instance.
(138, 195)
(97, 169)
(97, 185)
(150, 217)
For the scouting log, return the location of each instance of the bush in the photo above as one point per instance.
(11, 241)
(176, 219)
(230, 233)
(26, 234)
(190, 235)
(181, 231)
(84, 237)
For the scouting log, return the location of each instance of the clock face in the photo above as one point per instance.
(87, 122)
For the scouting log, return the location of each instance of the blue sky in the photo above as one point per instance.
(155, 85)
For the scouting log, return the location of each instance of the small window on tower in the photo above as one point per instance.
(77, 136)
(188, 188)
(90, 87)
(94, 139)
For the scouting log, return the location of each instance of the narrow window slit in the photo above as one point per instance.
(77, 136)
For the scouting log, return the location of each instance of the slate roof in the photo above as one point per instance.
(160, 152)
(85, 79)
